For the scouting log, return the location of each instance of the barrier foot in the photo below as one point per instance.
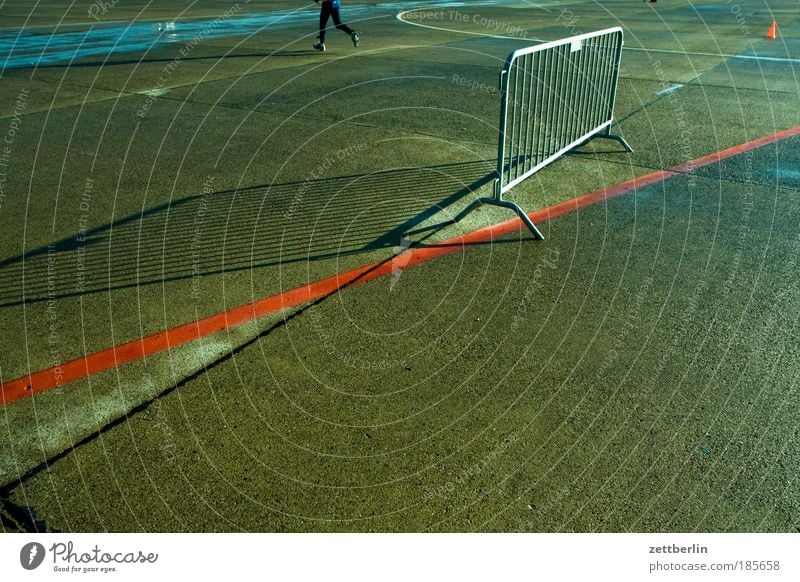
(522, 215)
(620, 139)
(505, 204)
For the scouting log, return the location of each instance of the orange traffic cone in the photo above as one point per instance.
(771, 33)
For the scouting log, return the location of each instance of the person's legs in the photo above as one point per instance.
(337, 21)
(324, 14)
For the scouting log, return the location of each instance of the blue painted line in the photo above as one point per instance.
(36, 46)
(33, 46)
(24, 48)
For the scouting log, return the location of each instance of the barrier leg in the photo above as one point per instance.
(504, 204)
(618, 138)
(522, 215)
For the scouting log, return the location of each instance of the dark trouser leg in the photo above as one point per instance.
(338, 22)
(324, 14)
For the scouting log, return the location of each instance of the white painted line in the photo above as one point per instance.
(627, 48)
(718, 55)
(98, 23)
(670, 89)
(155, 92)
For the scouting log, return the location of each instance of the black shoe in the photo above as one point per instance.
(355, 38)
(320, 46)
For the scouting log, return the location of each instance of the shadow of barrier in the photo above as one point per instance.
(236, 230)
(227, 230)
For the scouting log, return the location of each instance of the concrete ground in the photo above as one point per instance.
(636, 371)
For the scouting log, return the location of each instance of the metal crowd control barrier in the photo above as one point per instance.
(555, 97)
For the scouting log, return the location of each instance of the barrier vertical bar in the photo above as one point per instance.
(572, 102)
(591, 87)
(559, 102)
(501, 142)
(550, 102)
(615, 86)
(607, 81)
(531, 105)
(598, 102)
(510, 134)
(539, 108)
(519, 161)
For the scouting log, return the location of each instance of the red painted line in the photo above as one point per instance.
(737, 149)
(135, 350)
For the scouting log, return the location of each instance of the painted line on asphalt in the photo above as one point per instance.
(671, 89)
(91, 364)
(626, 48)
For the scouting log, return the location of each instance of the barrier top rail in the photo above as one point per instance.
(562, 41)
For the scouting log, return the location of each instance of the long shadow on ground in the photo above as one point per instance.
(242, 229)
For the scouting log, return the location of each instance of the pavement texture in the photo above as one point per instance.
(636, 371)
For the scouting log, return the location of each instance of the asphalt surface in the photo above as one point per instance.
(636, 371)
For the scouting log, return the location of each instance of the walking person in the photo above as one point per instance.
(330, 8)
